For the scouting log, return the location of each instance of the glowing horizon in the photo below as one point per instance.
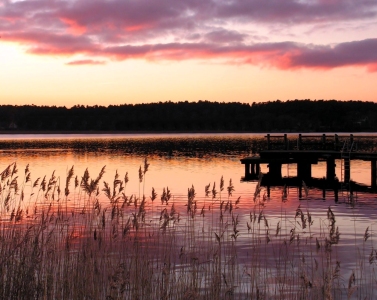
(98, 52)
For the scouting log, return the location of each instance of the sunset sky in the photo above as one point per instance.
(102, 52)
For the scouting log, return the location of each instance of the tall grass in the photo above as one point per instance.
(93, 241)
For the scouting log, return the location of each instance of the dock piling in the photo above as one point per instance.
(274, 171)
(247, 170)
(336, 142)
(286, 142)
(330, 168)
(304, 170)
(299, 142)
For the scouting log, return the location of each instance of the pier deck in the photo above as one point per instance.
(305, 158)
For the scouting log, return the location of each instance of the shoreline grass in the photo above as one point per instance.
(111, 245)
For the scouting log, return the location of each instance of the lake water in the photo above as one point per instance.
(176, 160)
(182, 161)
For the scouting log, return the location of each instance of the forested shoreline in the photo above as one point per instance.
(202, 116)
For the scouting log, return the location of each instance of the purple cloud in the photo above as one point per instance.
(293, 11)
(344, 54)
(225, 36)
(286, 55)
(182, 30)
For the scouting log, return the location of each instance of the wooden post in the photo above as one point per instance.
(247, 170)
(351, 139)
(299, 142)
(274, 171)
(304, 171)
(330, 169)
(373, 173)
(336, 142)
(286, 145)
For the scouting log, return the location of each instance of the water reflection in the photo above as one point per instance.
(177, 161)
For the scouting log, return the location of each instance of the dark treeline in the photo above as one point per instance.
(292, 115)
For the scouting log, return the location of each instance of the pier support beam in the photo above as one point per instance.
(268, 142)
(330, 169)
(373, 174)
(299, 142)
(304, 171)
(274, 171)
(336, 142)
(286, 142)
(247, 170)
(323, 141)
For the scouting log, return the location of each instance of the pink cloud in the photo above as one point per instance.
(372, 67)
(286, 55)
(85, 62)
(183, 30)
(46, 43)
(73, 26)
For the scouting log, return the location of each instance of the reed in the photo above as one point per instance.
(110, 245)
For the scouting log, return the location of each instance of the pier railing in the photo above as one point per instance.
(333, 142)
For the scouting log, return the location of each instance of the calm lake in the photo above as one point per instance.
(182, 161)
(176, 160)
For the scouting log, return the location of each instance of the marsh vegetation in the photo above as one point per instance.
(80, 237)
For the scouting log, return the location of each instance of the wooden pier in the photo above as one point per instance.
(295, 150)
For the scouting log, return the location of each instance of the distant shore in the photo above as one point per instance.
(15, 132)
(112, 132)
(201, 117)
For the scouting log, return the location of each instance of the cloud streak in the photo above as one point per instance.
(183, 30)
(286, 55)
(85, 62)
